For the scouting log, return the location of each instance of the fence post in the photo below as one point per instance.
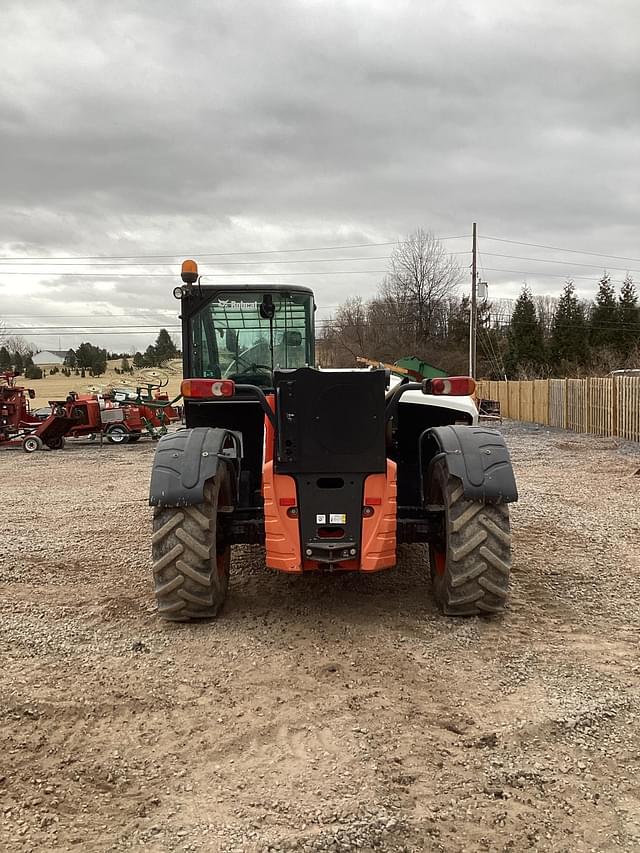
(565, 414)
(519, 400)
(615, 430)
(548, 396)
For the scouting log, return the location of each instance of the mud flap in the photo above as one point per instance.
(187, 459)
(477, 456)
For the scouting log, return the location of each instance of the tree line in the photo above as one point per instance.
(16, 354)
(417, 310)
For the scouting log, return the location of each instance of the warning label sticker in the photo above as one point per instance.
(321, 519)
(337, 518)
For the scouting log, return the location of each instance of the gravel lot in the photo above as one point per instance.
(319, 713)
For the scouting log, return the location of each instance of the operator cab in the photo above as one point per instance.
(244, 334)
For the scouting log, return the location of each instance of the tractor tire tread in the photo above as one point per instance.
(476, 577)
(187, 583)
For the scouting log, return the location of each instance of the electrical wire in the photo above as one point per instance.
(561, 249)
(204, 275)
(538, 273)
(53, 331)
(217, 263)
(219, 254)
(556, 261)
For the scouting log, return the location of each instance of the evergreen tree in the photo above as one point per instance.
(18, 363)
(92, 358)
(628, 316)
(5, 359)
(138, 360)
(70, 359)
(150, 356)
(124, 365)
(603, 331)
(458, 320)
(525, 339)
(165, 348)
(569, 330)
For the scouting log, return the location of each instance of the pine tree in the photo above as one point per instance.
(165, 348)
(628, 317)
(138, 360)
(526, 348)
(5, 359)
(151, 356)
(569, 330)
(603, 331)
(92, 358)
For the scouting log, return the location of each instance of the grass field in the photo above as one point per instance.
(57, 387)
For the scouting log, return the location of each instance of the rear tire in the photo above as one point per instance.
(56, 443)
(470, 565)
(190, 559)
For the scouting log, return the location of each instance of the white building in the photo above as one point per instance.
(49, 358)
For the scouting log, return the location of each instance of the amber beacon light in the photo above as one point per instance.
(189, 272)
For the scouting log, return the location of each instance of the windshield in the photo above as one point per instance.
(230, 339)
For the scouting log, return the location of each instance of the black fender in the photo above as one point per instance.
(477, 456)
(186, 459)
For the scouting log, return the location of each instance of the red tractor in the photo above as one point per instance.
(15, 411)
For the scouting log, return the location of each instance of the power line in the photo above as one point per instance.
(554, 261)
(325, 324)
(204, 275)
(217, 254)
(543, 274)
(217, 263)
(561, 249)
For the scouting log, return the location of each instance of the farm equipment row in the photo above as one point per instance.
(122, 416)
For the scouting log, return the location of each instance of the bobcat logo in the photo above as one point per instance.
(232, 303)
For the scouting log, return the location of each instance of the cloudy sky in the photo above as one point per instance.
(151, 131)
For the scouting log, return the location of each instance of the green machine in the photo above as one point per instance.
(423, 369)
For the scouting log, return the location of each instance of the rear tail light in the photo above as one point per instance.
(455, 386)
(207, 388)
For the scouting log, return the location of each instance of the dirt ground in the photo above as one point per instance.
(320, 713)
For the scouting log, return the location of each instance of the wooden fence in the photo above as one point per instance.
(609, 406)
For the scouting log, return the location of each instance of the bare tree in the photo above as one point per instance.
(16, 343)
(344, 335)
(546, 308)
(422, 277)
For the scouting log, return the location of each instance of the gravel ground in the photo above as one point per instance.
(319, 713)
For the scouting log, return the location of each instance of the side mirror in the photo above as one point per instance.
(231, 340)
(267, 308)
(292, 338)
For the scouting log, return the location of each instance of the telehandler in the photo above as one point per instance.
(330, 470)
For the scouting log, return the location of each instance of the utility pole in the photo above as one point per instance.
(473, 319)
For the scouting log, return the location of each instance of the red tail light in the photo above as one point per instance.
(455, 386)
(206, 389)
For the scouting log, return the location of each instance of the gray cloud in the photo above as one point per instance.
(130, 127)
